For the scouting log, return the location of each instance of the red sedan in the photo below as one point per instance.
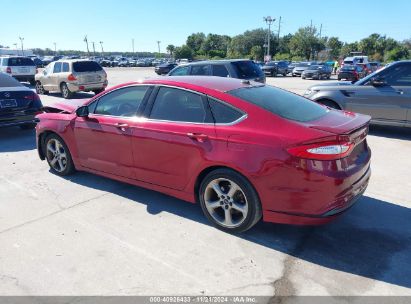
(243, 150)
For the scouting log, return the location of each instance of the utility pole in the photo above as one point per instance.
(86, 41)
(102, 50)
(158, 43)
(321, 29)
(22, 49)
(132, 44)
(15, 47)
(278, 33)
(55, 48)
(269, 21)
(94, 49)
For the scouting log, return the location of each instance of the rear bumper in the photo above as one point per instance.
(24, 77)
(335, 208)
(86, 87)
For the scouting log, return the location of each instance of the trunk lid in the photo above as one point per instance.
(13, 99)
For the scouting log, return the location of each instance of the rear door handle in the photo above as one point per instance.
(198, 136)
(401, 92)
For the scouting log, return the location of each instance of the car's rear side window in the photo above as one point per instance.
(20, 61)
(86, 66)
(247, 69)
(200, 70)
(285, 104)
(66, 67)
(180, 71)
(223, 113)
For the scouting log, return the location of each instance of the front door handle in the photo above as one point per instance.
(401, 92)
(121, 126)
(198, 136)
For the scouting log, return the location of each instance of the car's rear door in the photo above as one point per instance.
(104, 137)
(176, 138)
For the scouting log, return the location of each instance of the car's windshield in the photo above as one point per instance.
(302, 65)
(272, 63)
(316, 67)
(367, 78)
(348, 68)
(280, 102)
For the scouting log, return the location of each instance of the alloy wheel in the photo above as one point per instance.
(226, 202)
(56, 155)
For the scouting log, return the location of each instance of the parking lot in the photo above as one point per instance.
(88, 235)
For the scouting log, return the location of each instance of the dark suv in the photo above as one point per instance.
(238, 68)
(273, 68)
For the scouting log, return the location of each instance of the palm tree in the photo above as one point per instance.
(170, 49)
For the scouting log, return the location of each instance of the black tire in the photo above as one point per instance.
(247, 195)
(65, 91)
(40, 89)
(32, 81)
(29, 126)
(284, 74)
(69, 165)
(329, 103)
(98, 91)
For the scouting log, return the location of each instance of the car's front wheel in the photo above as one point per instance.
(58, 155)
(229, 201)
(40, 89)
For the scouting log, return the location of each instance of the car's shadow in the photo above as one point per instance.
(13, 139)
(391, 132)
(372, 239)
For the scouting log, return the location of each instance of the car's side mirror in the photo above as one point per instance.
(378, 82)
(44, 72)
(82, 111)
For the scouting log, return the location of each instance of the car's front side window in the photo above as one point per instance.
(123, 102)
(181, 71)
(178, 105)
(57, 67)
(399, 75)
(66, 67)
(200, 70)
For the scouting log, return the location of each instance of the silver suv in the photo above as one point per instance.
(70, 76)
(21, 68)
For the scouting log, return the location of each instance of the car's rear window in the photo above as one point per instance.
(247, 69)
(20, 61)
(86, 66)
(7, 81)
(348, 68)
(282, 103)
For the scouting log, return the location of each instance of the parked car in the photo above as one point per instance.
(70, 76)
(164, 68)
(317, 72)
(49, 59)
(291, 67)
(299, 69)
(366, 67)
(351, 72)
(123, 62)
(18, 104)
(385, 95)
(21, 68)
(273, 68)
(375, 65)
(353, 60)
(201, 130)
(235, 68)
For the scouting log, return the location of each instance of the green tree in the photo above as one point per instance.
(170, 49)
(306, 42)
(257, 52)
(347, 48)
(183, 51)
(398, 53)
(334, 45)
(215, 45)
(195, 40)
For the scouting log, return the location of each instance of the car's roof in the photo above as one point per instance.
(215, 61)
(73, 60)
(221, 84)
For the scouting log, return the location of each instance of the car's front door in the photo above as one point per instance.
(388, 102)
(175, 140)
(46, 79)
(104, 137)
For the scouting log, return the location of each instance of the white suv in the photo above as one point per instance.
(21, 68)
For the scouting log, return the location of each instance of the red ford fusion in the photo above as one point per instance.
(242, 149)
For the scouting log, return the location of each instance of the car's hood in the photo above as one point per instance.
(67, 106)
(310, 71)
(300, 68)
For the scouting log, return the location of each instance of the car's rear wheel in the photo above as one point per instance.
(58, 155)
(65, 91)
(229, 201)
(40, 89)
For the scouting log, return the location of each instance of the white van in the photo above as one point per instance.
(21, 68)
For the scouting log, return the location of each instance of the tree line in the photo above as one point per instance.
(306, 44)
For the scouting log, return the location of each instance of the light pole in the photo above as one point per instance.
(22, 49)
(94, 49)
(55, 48)
(132, 45)
(86, 41)
(15, 47)
(269, 21)
(158, 42)
(102, 50)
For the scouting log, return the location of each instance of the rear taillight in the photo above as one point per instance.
(8, 70)
(331, 150)
(71, 77)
